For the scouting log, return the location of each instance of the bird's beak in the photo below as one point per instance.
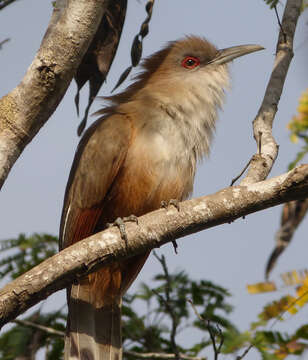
(225, 55)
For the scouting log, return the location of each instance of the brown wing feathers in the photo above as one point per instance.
(94, 304)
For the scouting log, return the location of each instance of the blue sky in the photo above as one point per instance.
(232, 255)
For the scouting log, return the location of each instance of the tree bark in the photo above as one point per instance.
(154, 230)
(26, 108)
(262, 163)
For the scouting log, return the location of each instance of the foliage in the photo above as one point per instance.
(153, 317)
(168, 313)
(24, 341)
(298, 127)
(272, 3)
(270, 344)
(304, 5)
(290, 303)
(22, 254)
(166, 308)
(278, 344)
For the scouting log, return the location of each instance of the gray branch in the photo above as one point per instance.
(261, 163)
(27, 108)
(46, 329)
(154, 230)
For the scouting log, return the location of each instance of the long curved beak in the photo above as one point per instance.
(225, 55)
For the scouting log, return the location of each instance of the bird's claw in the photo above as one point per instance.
(164, 204)
(131, 218)
(120, 224)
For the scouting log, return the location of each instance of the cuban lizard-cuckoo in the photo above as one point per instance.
(141, 151)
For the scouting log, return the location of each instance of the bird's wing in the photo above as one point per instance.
(94, 322)
(98, 159)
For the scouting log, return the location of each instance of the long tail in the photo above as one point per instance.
(93, 331)
(94, 316)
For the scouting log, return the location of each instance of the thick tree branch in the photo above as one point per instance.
(261, 163)
(26, 109)
(154, 230)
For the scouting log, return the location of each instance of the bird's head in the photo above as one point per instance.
(191, 59)
(185, 66)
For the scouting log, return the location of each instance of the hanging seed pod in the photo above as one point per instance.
(97, 61)
(136, 50)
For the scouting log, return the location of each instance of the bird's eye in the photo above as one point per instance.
(190, 62)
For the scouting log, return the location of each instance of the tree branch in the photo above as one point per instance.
(4, 3)
(138, 355)
(3, 42)
(261, 164)
(26, 109)
(154, 229)
(208, 325)
(161, 356)
(168, 306)
(46, 329)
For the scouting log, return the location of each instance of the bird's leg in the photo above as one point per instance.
(164, 204)
(120, 224)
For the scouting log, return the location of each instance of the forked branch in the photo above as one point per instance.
(261, 163)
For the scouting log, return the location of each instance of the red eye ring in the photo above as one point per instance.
(190, 62)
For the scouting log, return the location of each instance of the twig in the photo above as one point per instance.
(5, 3)
(46, 329)
(167, 302)
(241, 173)
(280, 315)
(161, 356)
(216, 349)
(3, 42)
(279, 23)
(153, 355)
(222, 339)
(262, 164)
(240, 357)
(246, 166)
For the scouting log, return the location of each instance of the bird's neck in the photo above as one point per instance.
(185, 109)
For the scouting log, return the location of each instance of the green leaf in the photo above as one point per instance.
(272, 3)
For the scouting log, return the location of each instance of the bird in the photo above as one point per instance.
(142, 151)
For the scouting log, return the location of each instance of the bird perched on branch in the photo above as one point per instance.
(142, 151)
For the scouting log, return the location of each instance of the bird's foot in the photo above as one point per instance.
(120, 224)
(174, 202)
